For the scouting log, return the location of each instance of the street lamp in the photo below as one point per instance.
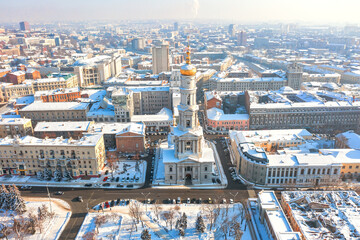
(145, 195)
(47, 188)
(234, 195)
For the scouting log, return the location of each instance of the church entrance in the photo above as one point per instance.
(188, 179)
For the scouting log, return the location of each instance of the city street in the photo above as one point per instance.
(92, 196)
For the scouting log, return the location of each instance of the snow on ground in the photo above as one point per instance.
(52, 228)
(95, 181)
(119, 224)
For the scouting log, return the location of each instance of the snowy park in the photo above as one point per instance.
(135, 220)
(31, 218)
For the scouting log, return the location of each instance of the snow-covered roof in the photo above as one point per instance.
(13, 121)
(55, 106)
(352, 139)
(86, 140)
(217, 114)
(62, 126)
(115, 128)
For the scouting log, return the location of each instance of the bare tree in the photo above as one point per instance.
(99, 221)
(208, 210)
(90, 236)
(157, 209)
(224, 227)
(135, 212)
(18, 227)
(169, 217)
(5, 230)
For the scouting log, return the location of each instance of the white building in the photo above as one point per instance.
(160, 58)
(186, 158)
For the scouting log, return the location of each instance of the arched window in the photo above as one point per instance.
(188, 99)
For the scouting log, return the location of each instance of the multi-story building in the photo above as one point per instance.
(159, 123)
(55, 111)
(123, 105)
(326, 77)
(14, 91)
(96, 70)
(58, 95)
(123, 137)
(243, 84)
(30, 156)
(348, 139)
(294, 75)
(24, 26)
(160, 58)
(218, 121)
(138, 43)
(242, 38)
(316, 116)
(15, 77)
(302, 167)
(62, 129)
(212, 100)
(32, 74)
(150, 100)
(53, 83)
(15, 127)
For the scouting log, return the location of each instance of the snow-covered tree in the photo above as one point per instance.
(57, 175)
(137, 167)
(47, 174)
(145, 235)
(200, 226)
(67, 174)
(17, 202)
(40, 175)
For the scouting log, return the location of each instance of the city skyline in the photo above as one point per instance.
(320, 12)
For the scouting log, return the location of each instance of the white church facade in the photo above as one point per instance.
(186, 157)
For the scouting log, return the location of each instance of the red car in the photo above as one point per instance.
(105, 179)
(107, 205)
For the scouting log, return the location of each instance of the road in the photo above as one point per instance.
(92, 196)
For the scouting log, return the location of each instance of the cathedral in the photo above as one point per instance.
(187, 158)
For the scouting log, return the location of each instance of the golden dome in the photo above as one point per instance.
(188, 69)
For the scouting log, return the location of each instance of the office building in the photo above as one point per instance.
(160, 58)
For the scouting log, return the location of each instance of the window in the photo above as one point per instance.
(302, 172)
(206, 168)
(170, 177)
(205, 176)
(170, 169)
(335, 171)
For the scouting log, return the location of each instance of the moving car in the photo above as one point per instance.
(58, 193)
(80, 199)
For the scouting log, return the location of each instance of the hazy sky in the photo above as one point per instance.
(246, 11)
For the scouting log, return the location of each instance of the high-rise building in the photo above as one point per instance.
(160, 58)
(232, 30)
(294, 76)
(176, 26)
(242, 38)
(24, 26)
(138, 43)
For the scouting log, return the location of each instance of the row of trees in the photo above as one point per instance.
(10, 199)
(20, 226)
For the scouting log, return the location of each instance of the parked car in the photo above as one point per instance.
(88, 185)
(210, 201)
(117, 179)
(25, 187)
(106, 172)
(200, 201)
(105, 179)
(112, 203)
(148, 201)
(188, 200)
(218, 181)
(173, 201)
(58, 193)
(130, 186)
(178, 201)
(119, 185)
(231, 201)
(169, 201)
(107, 205)
(106, 184)
(80, 199)
(117, 201)
(223, 201)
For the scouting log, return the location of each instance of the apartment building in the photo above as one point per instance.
(74, 130)
(15, 127)
(30, 155)
(94, 71)
(243, 84)
(55, 111)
